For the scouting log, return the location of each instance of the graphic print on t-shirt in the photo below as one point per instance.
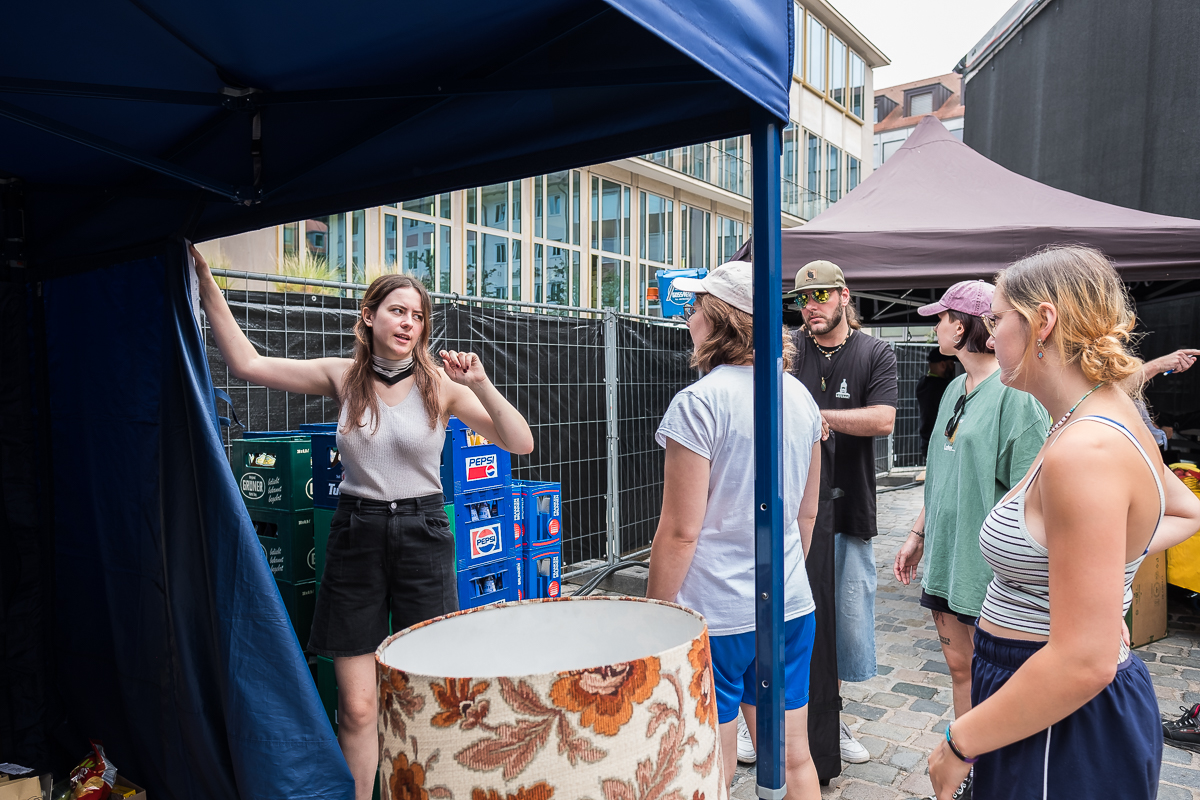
(843, 393)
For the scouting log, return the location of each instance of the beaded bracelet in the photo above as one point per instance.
(954, 749)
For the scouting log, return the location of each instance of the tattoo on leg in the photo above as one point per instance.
(944, 639)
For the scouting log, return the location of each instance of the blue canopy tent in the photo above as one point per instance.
(135, 604)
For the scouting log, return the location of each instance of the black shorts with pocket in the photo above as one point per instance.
(384, 561)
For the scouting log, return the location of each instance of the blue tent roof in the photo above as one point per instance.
(132, 121)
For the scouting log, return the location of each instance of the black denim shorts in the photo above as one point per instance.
(387, 566)
(935, 603)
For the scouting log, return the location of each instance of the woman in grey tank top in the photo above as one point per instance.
(390, 554)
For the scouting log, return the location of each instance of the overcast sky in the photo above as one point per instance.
(923, 38)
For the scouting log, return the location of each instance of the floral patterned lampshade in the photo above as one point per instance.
(601, 697)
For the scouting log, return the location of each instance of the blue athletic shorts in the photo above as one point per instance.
(733, 667)
(1110, 748)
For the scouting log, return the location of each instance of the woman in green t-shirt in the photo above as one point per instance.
(985, 438)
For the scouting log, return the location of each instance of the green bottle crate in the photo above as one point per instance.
(300, 600)
(327, 688)
(322, 517)
(274, 473)
(287, 540)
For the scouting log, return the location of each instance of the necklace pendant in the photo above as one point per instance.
(822, 383)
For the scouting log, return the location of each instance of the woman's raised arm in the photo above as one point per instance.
(313, 376)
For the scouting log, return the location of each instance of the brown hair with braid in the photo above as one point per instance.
(358, 387)
(1095, 317)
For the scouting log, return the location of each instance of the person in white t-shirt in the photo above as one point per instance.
(703, 552)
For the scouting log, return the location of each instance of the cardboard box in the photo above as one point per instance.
(138, 792)
(21, 789)
(287, 539)
(1147, 617)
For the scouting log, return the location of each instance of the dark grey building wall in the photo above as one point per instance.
(1100, 98)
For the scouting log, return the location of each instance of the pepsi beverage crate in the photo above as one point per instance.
(471, 462)
(274, 473)
(543, 513)
(300, 600)
(482, 525)
(322, 517)
(543, 571)
(287, 540)
(326, 469)
(483, 584)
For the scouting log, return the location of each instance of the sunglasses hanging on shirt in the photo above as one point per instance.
(956, 418)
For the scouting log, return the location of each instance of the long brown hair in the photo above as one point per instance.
(358, 388)
(732, 338)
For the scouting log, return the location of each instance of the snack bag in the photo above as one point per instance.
(93, 779)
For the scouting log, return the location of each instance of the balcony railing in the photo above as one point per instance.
(709, 163)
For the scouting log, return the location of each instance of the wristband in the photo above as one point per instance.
(954, 749)
(921, 534)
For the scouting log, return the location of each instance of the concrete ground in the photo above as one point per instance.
(901, 714)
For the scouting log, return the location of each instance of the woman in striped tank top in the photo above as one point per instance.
(390, 552)
(1060, 707)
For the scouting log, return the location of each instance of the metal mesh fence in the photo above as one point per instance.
(592, 385)
(911, 365)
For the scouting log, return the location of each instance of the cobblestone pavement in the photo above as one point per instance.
(901, 714)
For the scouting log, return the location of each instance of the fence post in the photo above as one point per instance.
(610, 401)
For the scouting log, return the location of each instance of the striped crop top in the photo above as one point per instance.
(1019, 595)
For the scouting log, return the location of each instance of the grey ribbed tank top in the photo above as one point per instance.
(401, 459)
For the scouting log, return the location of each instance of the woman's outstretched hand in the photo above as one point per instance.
(202, 271)
(464, 368)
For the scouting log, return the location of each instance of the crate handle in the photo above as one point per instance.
(224, 395)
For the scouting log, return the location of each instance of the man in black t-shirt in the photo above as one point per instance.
(852, 376)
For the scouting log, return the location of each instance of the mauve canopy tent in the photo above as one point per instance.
(135, 603)
(938, 212)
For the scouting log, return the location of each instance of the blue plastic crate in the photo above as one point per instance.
(326, 469)
(543, 571)
(483, 528)
(272, 434)
(543, 513)
(483, 584)
(471, 462)
(322, 427)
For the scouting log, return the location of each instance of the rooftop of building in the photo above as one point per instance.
(951, 108)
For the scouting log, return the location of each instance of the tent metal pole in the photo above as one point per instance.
(120, 151)
(765, 147)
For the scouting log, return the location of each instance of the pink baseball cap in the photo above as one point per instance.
(965, 297)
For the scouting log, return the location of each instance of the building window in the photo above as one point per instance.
(695, 228)
(790, 179)
(920, 104)
(798, 41)
(813, 199)
(837, 71)
(657, 228)
(858, 84)
(291, 239)
(493, 201)
(422, 205)
(471, 262)
(853, 173)
(610, 282)
(556, 219)
(834, 165)
(815, 72)
(419, 251)
(729, 238)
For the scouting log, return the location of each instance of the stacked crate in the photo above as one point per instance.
(274, 475)
(476, 481)
(540, 537)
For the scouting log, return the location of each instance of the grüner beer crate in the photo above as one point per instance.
(483, 584)
(287, 540)
(327, 689)
(482, 525)
(471, 462)
(300, 600)
(274, 473)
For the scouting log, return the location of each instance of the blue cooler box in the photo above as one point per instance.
(483, 584)
(671, 301)
(471, 462)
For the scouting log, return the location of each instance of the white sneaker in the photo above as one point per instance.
(745, 747)
(852, 749)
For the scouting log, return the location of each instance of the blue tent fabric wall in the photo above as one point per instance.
(175, 649)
